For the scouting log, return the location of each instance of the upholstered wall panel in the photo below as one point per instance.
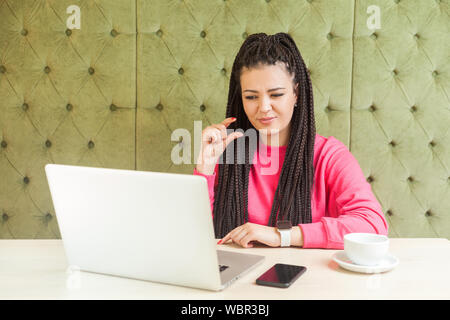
(186, 50)
(66, 96)
(400, 115)
(112, 93)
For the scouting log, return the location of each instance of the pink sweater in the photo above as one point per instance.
(341, 202)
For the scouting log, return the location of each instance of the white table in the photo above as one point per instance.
(37, 269)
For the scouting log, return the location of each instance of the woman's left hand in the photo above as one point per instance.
(248, 232)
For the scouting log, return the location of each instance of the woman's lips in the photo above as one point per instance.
(267, 120)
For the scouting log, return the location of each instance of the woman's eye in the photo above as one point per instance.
(273, 95)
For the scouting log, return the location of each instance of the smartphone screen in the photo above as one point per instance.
(281, 275)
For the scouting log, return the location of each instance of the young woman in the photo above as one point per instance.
(319, 187)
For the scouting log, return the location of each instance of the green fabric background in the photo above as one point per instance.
(111, 93)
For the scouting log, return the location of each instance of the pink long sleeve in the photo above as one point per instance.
(350, 205)
(341, 201)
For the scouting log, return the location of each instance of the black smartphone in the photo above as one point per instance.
(280, 275)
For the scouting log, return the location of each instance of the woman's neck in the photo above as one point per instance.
(277, 139)
(274, 141)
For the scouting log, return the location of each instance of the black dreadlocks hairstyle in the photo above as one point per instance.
(292, 199)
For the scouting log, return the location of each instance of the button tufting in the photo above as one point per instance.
(91, 144)
(392, 143)
(159, 107)
(327, 109)
(48, 216)
(394, 72)
(223, 71)
(91, 70)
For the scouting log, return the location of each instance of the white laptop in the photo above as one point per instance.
(144, 225)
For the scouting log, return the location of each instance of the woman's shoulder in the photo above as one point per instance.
(322, 141)
(328, 142)
(325, 147)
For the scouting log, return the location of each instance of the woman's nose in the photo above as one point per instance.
(265, 104)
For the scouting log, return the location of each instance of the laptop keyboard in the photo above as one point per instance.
(222, 267)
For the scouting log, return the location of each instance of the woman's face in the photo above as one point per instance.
(267, 92)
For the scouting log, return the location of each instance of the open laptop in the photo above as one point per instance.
(144, 225)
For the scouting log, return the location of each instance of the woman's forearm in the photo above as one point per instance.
(296, 237)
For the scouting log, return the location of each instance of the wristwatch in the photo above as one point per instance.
(284, 228)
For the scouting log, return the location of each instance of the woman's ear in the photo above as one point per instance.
(296, 91)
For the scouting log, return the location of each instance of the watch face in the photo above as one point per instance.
(284, 224)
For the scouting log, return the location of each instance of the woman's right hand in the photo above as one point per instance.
(214, 142)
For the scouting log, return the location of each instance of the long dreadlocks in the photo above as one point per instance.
(292, 199)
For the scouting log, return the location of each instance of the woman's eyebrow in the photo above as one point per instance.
(274, 89)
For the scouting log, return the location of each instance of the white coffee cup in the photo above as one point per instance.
(366, 249)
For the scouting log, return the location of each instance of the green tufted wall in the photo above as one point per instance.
(111, 93)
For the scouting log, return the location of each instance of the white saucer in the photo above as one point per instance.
(388, 263)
